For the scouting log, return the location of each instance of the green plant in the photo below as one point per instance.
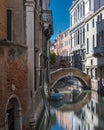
(52, 58)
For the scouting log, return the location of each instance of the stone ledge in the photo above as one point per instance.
(11, 43)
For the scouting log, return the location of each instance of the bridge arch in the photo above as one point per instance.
(63, 72)
(82, 100)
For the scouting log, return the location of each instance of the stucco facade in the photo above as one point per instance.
(94, 48)
(85, 33)
(79, 11)
(63, 49)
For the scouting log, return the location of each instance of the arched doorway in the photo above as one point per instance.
(13, 114)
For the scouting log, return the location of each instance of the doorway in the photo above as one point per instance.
(13, 115)
(11, 119)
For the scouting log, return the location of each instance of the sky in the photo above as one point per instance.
(61, 19)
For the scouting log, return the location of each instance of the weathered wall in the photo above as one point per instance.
(3, 24)
(13, 71)
(18, 20)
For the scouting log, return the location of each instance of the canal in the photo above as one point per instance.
(78, 110)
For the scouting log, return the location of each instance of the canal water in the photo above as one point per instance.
(85, 112)
(79, 109)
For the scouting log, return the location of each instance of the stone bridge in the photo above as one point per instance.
(63, 72)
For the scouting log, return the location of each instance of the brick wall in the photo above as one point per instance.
(13, 70)
(3, 27)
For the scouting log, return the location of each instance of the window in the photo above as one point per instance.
(71, 42)
(91, 61)
(78, 11)
(83, 8)
(74, 17)
(97, 39)
(87, 45)
(71, 20)
(100, 16)
(78, 37)
(93, 23)
(89, 5)
(96, 73)
(83, 35)
(66, 34)
(93, 41)
(9, 24)
(102, 37)
(87, 27)
(87, 71)
(83, 55)
(41, 3)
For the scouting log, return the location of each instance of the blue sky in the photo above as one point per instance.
(61, 20)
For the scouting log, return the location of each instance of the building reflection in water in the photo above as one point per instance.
(64, 119)
(89, 116)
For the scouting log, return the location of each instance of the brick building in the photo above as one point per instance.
(24, 45)
(3, 27)
(13, 67)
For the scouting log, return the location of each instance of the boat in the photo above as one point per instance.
(56, 96)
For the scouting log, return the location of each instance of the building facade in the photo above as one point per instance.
(63, 49)
(94, 48)
(83, 33)
(78, 13)
(13, 66)
(25, 29)
(3, 24)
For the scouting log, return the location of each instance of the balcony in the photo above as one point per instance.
(47, 21)
(98, 51)
(75, 48)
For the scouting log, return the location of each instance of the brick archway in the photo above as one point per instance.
(60, 73)
(13, 115)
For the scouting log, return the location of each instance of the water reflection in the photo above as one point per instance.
(85, 114)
